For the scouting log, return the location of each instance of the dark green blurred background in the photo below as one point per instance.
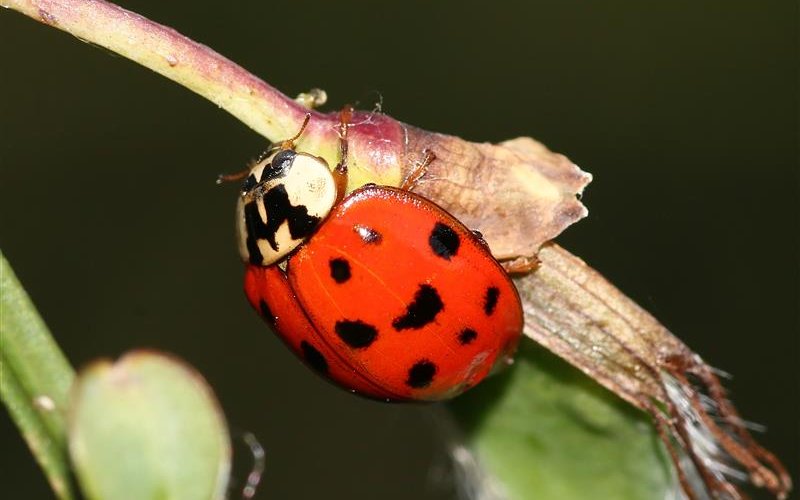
(684, 111)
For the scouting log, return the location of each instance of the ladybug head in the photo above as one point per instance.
(283, 199)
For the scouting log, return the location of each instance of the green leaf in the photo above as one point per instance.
(34, 380)
(147, 427)
(545, 430)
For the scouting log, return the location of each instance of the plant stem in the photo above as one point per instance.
(597, 328)
(35, 379)
(174, 56)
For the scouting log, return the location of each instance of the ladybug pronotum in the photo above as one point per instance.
(283, 199)
(380, 291)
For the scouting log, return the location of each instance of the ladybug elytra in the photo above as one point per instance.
(382, 291)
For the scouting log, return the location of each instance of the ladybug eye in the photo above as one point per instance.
(283, 159)
(279, 166)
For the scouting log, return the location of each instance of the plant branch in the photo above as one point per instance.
(569, 307)
(35, 379)
(167, 52)
(483, 185)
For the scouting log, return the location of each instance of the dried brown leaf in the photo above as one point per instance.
(576, 313)
(518, 193)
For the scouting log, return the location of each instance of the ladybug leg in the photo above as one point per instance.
(236, 176)
(420, 169)
(340, 172)
(242, 174)
(521, 265)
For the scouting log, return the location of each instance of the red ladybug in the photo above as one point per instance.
(382, 292)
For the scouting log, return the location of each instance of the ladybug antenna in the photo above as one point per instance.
(289, 143)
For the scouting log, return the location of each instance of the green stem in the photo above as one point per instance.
(35, 379)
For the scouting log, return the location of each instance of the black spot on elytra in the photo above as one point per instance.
(314, 358)
(278, 209)
(356, 334)
(444, 241)
(423, 310)
(421, 374)
(367, 234)
(466, 336)
(490, 300)
(266, 313)
(340, 270)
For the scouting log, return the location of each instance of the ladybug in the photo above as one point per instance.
(382, 292)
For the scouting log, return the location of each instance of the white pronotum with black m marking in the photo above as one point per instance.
(283, 200)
